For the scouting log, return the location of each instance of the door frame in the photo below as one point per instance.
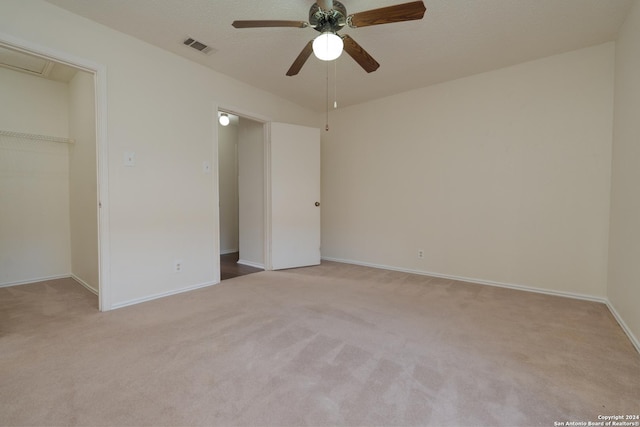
(99, 72)
(266, 140)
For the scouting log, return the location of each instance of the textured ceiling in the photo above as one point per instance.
(456, 38)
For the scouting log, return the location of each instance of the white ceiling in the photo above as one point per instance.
(456, 38)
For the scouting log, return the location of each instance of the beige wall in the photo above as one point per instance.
(34, 180)
(161, 107)
(624, 268)
(251, 192)
(83, 192)
(33, 105)
(228, 175)
(499, 177)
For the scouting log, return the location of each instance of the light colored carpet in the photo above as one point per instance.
(329, 345)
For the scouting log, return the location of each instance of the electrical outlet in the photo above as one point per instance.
(420, 253)
(178, 266)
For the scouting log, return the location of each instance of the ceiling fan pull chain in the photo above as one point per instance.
(335, 84)
(326, 127)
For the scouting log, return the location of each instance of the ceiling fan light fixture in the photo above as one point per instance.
(224, 119)
(328, 46)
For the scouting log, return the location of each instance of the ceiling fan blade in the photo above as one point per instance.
(301, 59)
(387, 15)
(359, 54)
(262, 24)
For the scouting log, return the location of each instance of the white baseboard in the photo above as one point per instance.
(34, 280)
(85, 284)
(477, 281)
(228, 251)
(602, 300)
(44, 279)
(623, 325)
(161, 295)
(250, 263)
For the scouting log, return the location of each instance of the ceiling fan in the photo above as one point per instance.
(330, 16)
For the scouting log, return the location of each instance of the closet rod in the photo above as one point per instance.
(37, 137)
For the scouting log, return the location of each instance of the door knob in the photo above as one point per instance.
(317, 204)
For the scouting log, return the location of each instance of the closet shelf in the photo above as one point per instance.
(37, 137)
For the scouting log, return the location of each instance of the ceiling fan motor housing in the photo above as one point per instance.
(328, 20)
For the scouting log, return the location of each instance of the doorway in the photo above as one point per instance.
(241, 194)
(50, 139)
(278, 179)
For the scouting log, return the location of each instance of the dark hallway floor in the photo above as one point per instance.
(229, 267)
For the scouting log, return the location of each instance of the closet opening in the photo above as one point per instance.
(49, 221)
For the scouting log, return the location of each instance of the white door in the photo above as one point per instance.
(295, 196)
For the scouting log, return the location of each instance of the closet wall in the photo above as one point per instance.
(83, 195)
(37, 179)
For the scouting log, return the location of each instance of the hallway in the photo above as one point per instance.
(229, 267)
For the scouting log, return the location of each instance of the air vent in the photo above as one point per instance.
(19, 61)
(35, 65)
(199, 46)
